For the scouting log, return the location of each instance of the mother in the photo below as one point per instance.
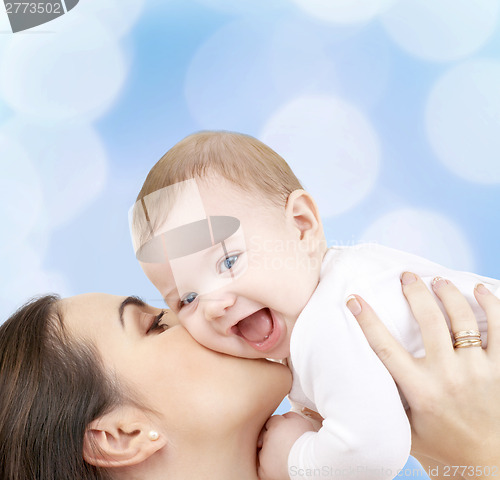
(97, 386)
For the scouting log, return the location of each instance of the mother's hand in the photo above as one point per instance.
(454, 394)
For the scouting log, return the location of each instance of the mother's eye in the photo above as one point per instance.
(156, 325)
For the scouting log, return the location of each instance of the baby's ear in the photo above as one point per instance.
(121, 438)
(302, 212)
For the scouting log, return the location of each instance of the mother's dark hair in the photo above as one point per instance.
(51, 388)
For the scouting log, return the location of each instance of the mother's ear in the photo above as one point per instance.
(121, 438)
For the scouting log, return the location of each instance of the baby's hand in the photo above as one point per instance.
(279, 434)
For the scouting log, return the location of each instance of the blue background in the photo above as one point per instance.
(389, 112)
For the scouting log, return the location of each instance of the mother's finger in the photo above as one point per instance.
(435, 333)
(491, 306)
(457, 307)
(397, 360)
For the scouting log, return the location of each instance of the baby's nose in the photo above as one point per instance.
(216, 306)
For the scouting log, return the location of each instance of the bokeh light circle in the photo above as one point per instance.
(71, 163)
(74, 75)
(228, 83)
(425, 233)
(23, 277)
(299, 59)
(118, 16)
(343, 11)
(463, 120)
(330, 145)
(243, 6)
(21, 192)
(441, 30)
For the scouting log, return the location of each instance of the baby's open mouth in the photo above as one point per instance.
(257, 327)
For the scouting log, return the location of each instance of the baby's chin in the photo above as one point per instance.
(276, 355)
(249, 353)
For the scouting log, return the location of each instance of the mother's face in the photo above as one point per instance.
(192, 388)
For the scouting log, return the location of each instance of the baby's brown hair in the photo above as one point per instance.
(241, 159)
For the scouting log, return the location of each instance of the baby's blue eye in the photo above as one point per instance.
(189, 298)
(228, 263)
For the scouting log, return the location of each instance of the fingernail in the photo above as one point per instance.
(480, 288)
(438, 282)
(407, 278)
(353, 305)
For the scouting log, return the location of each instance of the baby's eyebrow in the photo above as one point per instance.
(187, 239)
(198, 236)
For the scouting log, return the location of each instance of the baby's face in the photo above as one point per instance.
(242, 295)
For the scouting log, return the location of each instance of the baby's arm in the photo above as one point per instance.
(278, 435)
(363, 426)
(366, 432)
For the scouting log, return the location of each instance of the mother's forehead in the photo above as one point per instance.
(90, 307)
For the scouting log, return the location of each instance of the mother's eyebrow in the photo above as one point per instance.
(132, 300)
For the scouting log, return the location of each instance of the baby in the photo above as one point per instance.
(224, 230)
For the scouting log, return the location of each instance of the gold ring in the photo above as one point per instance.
(468, 343)
(466, 334)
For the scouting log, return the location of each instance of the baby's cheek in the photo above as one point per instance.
(172, 319)
(198, 330)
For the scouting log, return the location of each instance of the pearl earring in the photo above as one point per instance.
(153, 435)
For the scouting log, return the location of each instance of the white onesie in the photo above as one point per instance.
(365, 433)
